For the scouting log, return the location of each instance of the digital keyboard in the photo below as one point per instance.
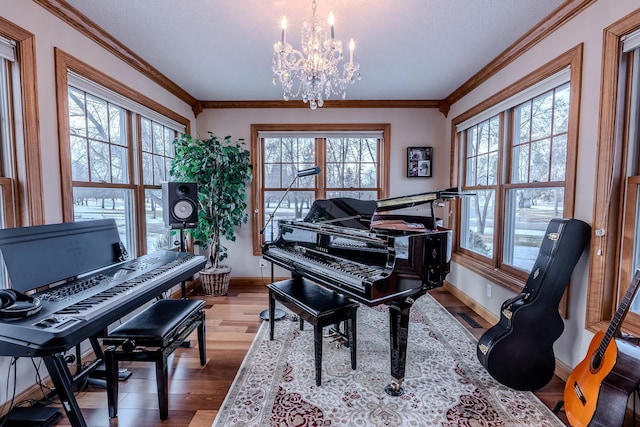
(77, 310)
(79, 279)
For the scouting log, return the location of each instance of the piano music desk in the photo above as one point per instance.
(317, 305)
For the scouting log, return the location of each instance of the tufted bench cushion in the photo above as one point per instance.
(317, 305)
(151, 336)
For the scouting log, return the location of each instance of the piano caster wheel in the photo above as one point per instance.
(278, 314)
(394, 389)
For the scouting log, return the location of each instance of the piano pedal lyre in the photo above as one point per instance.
(340, 339)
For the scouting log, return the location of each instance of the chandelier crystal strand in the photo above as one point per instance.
(315, 69)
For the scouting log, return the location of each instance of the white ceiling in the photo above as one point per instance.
(221, 50)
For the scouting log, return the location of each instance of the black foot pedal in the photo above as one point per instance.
(101, 373)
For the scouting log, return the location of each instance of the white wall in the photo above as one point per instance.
(409, 127)
(586, 28)
(51, 32)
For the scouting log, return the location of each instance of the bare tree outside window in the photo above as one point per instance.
(101, 167)
(533, 191)
(349, 168)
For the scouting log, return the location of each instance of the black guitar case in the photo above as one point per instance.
(518, 350)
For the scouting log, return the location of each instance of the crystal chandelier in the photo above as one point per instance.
(315, 67)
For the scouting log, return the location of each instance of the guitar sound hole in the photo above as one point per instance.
(596, 362)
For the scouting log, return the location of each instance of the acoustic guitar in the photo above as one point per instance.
(518, 350)
(598, 388)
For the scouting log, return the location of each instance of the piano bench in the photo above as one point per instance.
(317, 305)
(151, 336)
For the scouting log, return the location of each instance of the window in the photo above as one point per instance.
(119, 152)
(20, 172)
(617, 202)
(517, 158)
(352, 160)
(7, 113)
(481, 172)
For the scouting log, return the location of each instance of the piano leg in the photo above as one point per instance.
(62, 381)
(399, 330)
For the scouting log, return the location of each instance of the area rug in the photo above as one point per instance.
(444, 385)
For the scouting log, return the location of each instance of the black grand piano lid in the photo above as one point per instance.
(342, 212)
(354, 213)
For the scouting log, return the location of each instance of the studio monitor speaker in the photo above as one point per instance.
(180, 204)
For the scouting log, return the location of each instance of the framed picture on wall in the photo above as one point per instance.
(419, 162)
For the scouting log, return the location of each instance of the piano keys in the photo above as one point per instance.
(369, 267)
(363, 251)
(81, 308)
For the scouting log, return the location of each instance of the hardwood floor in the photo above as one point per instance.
(196, 393)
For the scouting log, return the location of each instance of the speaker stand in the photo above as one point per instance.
(277, 315)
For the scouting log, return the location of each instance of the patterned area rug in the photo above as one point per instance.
(444, 385)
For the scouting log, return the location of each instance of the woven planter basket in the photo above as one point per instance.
(215, 281)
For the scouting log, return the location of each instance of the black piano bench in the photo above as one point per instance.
(317, 305)
(151, 336)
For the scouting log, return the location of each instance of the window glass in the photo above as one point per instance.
(352, 162)
(91, 203)
(157, 234)
(7, 115)
(511, 210)
(157, 151)
(477, 232)
(528, 212)
(481, 172)
(294, 206)
(349, 164)
(21, 202)
(105, 177)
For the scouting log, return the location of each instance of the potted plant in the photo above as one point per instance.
(222, 169)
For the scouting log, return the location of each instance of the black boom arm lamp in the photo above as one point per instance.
(279, 314)
(303, 172)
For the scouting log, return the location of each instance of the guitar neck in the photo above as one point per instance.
(621, 312)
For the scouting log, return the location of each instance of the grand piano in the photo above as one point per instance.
(364, 250)
(73, 280)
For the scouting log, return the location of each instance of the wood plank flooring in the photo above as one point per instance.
(196, 393)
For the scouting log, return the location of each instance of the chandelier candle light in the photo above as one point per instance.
(316, 65)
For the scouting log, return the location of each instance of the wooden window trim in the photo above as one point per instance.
(65, 62)
(6, 194)
(256, 160)
(603, 268)
(627, 244)
(572, 58)
(29, 202)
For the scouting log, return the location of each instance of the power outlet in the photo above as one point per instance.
(489, 290)
(263, 263)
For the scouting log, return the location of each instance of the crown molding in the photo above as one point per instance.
(77, 20)
(346, 103)
(556, 19)
(90, 29)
